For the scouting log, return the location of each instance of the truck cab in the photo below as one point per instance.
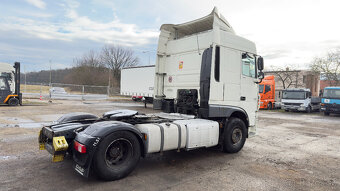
(299, 99)
(10, 84)
(203, 68)
(267, 93)
(330, 101)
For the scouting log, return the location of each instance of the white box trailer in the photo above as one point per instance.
(138, 82)
(206, 82)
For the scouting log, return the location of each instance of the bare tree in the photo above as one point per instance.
(116, 58)
(288, 76)
(88, 70)
(329, 67)
(90, 59)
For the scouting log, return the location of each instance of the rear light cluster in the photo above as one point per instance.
(79, 147)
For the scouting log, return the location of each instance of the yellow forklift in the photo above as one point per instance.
(10, 84)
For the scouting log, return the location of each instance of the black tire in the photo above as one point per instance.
(326, 113)
(270, 106)
(308, 109)
(234, 135)
(286, 110)
(117, 156)
(13, 102)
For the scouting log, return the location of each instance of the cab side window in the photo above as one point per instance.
(268, 89)
(248, 65)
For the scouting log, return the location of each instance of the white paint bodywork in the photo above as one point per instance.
(179, 57)
(195, 133)
(7, 68)
(137, 81)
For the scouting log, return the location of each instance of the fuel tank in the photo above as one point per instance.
(180, 134)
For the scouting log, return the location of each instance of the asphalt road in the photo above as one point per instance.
(291, 151)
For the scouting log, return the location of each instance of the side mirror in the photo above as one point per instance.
(260, 63)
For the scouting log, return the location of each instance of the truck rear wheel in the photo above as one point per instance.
(234, 135)
(117, 156)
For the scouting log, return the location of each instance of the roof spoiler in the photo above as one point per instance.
(209, 22)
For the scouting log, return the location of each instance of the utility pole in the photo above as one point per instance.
(149, 57)
(108, 87)
(25, 77)
(50, 83)
(50, 74)
(109, 77)
(147, 51)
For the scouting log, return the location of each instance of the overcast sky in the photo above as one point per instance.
(286, 32)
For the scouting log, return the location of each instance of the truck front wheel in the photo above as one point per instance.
(270, 106)
(234, 135)
(117, 156)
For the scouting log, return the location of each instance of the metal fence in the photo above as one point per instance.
(68, 91)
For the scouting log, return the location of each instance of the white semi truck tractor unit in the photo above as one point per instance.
(203, 68)
(206, 84)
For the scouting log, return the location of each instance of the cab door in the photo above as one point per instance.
(4, 89)
(249, 87)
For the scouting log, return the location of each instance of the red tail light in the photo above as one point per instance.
(79, 147)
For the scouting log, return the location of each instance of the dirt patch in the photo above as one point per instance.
(291, 151)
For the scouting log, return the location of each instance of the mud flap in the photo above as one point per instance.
(82, 162)
(251, 131)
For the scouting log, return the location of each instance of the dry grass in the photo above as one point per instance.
(34, 88)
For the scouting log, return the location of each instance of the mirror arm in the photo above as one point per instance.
(260, 78)
(259, 81)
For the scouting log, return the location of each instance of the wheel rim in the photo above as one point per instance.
(118, 152)
(236, 136)
(13, 102)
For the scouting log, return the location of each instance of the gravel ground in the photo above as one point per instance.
(291, 151)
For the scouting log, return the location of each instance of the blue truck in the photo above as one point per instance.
(330, 102)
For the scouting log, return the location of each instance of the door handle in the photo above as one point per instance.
(242, 98)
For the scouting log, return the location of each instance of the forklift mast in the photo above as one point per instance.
(17, 81)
